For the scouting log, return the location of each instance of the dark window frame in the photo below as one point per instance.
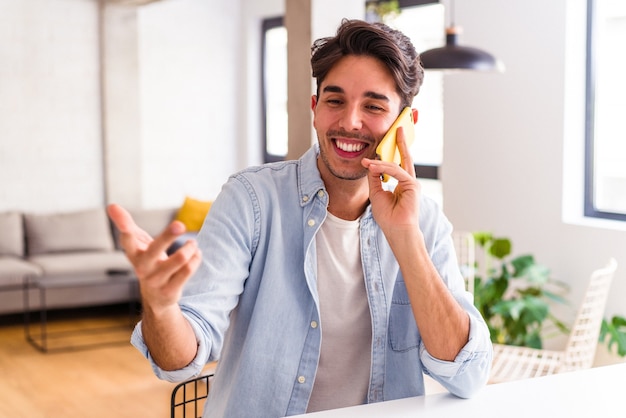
(266, 25)
(589, 207)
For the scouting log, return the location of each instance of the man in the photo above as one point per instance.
(316, 287)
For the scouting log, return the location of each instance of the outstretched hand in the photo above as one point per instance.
(161, 277)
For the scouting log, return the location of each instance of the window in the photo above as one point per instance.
(423, 24)
(274, 89)
(605, 162)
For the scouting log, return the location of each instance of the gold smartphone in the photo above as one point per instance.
(388, 150)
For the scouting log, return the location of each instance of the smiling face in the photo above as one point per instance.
(357, 104)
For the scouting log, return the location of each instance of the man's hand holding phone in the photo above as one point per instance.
(387, 149)
(395, 210)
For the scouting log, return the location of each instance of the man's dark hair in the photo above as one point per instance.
(390, 46)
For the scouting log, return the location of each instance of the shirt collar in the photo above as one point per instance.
(309, 180)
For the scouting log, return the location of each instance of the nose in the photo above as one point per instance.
(351, 119)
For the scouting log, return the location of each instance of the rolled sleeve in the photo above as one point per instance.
(470, 369)
(187, 372)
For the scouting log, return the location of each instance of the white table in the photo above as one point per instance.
(598, 392)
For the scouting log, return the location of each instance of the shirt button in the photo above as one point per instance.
(320, 193)
(311, 222)
(313, 324)
(301, 379)
(305, 198)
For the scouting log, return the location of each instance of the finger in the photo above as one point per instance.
(180, 277)
(175, 267)
(375, 171)
(378, 167)
(158, 247)
(405, 153)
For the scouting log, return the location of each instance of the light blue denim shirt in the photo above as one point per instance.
(254, 306)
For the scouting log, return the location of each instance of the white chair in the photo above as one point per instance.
(465, 253)
(513, 363)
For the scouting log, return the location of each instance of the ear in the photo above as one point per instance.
(414, 115)
(313, 107)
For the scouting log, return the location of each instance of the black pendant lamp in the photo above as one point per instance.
(456, 57)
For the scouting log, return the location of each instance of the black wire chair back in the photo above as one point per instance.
(188, 397)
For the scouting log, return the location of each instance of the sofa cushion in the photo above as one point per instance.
(193, 212)
(11, 234)
(85, 230)
(84, 262)
(13, 270)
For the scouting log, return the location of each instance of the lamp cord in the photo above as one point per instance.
(452, 14)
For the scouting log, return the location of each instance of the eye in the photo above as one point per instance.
(334, 102)
(375, 108)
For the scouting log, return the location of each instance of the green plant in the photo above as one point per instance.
(385, 9)
(513, 296)
(613, 333)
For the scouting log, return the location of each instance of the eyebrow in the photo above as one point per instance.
(370, 94)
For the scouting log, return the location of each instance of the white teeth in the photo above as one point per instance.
(350, 147)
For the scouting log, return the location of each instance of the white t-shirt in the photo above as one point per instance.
(343, 373)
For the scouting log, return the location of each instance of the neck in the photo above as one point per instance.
(347, 199)
(346, 207)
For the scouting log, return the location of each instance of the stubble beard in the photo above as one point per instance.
(340, 174)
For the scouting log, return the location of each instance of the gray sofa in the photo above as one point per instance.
(78, 242)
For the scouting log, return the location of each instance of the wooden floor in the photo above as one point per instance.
(108, 381)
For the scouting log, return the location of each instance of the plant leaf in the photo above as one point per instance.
(618, 321)
(521, 263)
(482, 238)
(537, 273)
(533, 340)
(500, 248)
(615, 329)
(520, 318)
(509, 308)
(536, 310)
(553, 296)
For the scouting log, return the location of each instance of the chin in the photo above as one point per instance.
(348, 175)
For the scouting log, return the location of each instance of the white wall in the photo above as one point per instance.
(503, 165)
(190, 95)
(186, 137)
(50, 149)
(200, 83)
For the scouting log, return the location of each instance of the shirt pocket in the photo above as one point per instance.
(403, 332)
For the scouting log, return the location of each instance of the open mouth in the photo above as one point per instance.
(349, 147)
